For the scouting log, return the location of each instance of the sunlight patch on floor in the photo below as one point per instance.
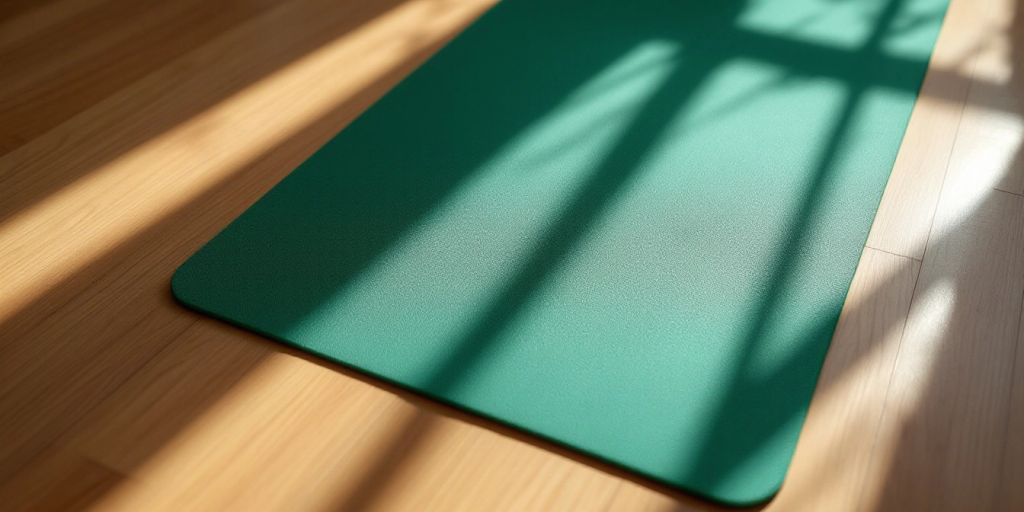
(192, 156)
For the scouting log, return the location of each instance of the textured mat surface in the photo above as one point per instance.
(628, 227)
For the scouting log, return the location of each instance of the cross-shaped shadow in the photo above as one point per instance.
(387, 205)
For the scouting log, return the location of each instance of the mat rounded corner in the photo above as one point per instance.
(753, 493)
(748, 500)
(181, 287)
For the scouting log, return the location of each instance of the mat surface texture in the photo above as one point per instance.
(626, 227)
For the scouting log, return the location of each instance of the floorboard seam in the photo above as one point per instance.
(873, 248)
(917, 278)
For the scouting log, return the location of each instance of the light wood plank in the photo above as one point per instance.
(634, 497)
(103, 375)
(944, 427)
(947, 429)
(120, 38)
(273, 431)
(1010, 495)
(58, 480)
(16, 26)
(844, 416)
(995, 106)
(121, 232)
(905, 214)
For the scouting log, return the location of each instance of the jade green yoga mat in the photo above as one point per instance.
(627, 227)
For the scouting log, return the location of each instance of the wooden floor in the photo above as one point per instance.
(132, 131)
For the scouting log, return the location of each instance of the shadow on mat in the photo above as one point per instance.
(513, 105)
(508, 107)
(587, 206)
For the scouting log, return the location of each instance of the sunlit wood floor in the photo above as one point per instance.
(132, 131)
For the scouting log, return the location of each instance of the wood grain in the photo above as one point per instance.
(946, 439)
(946, 417)
(131, 132)
(1010, 495)
(904, 216)
(842, 422)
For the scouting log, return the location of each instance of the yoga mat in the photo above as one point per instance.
(626, 227)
